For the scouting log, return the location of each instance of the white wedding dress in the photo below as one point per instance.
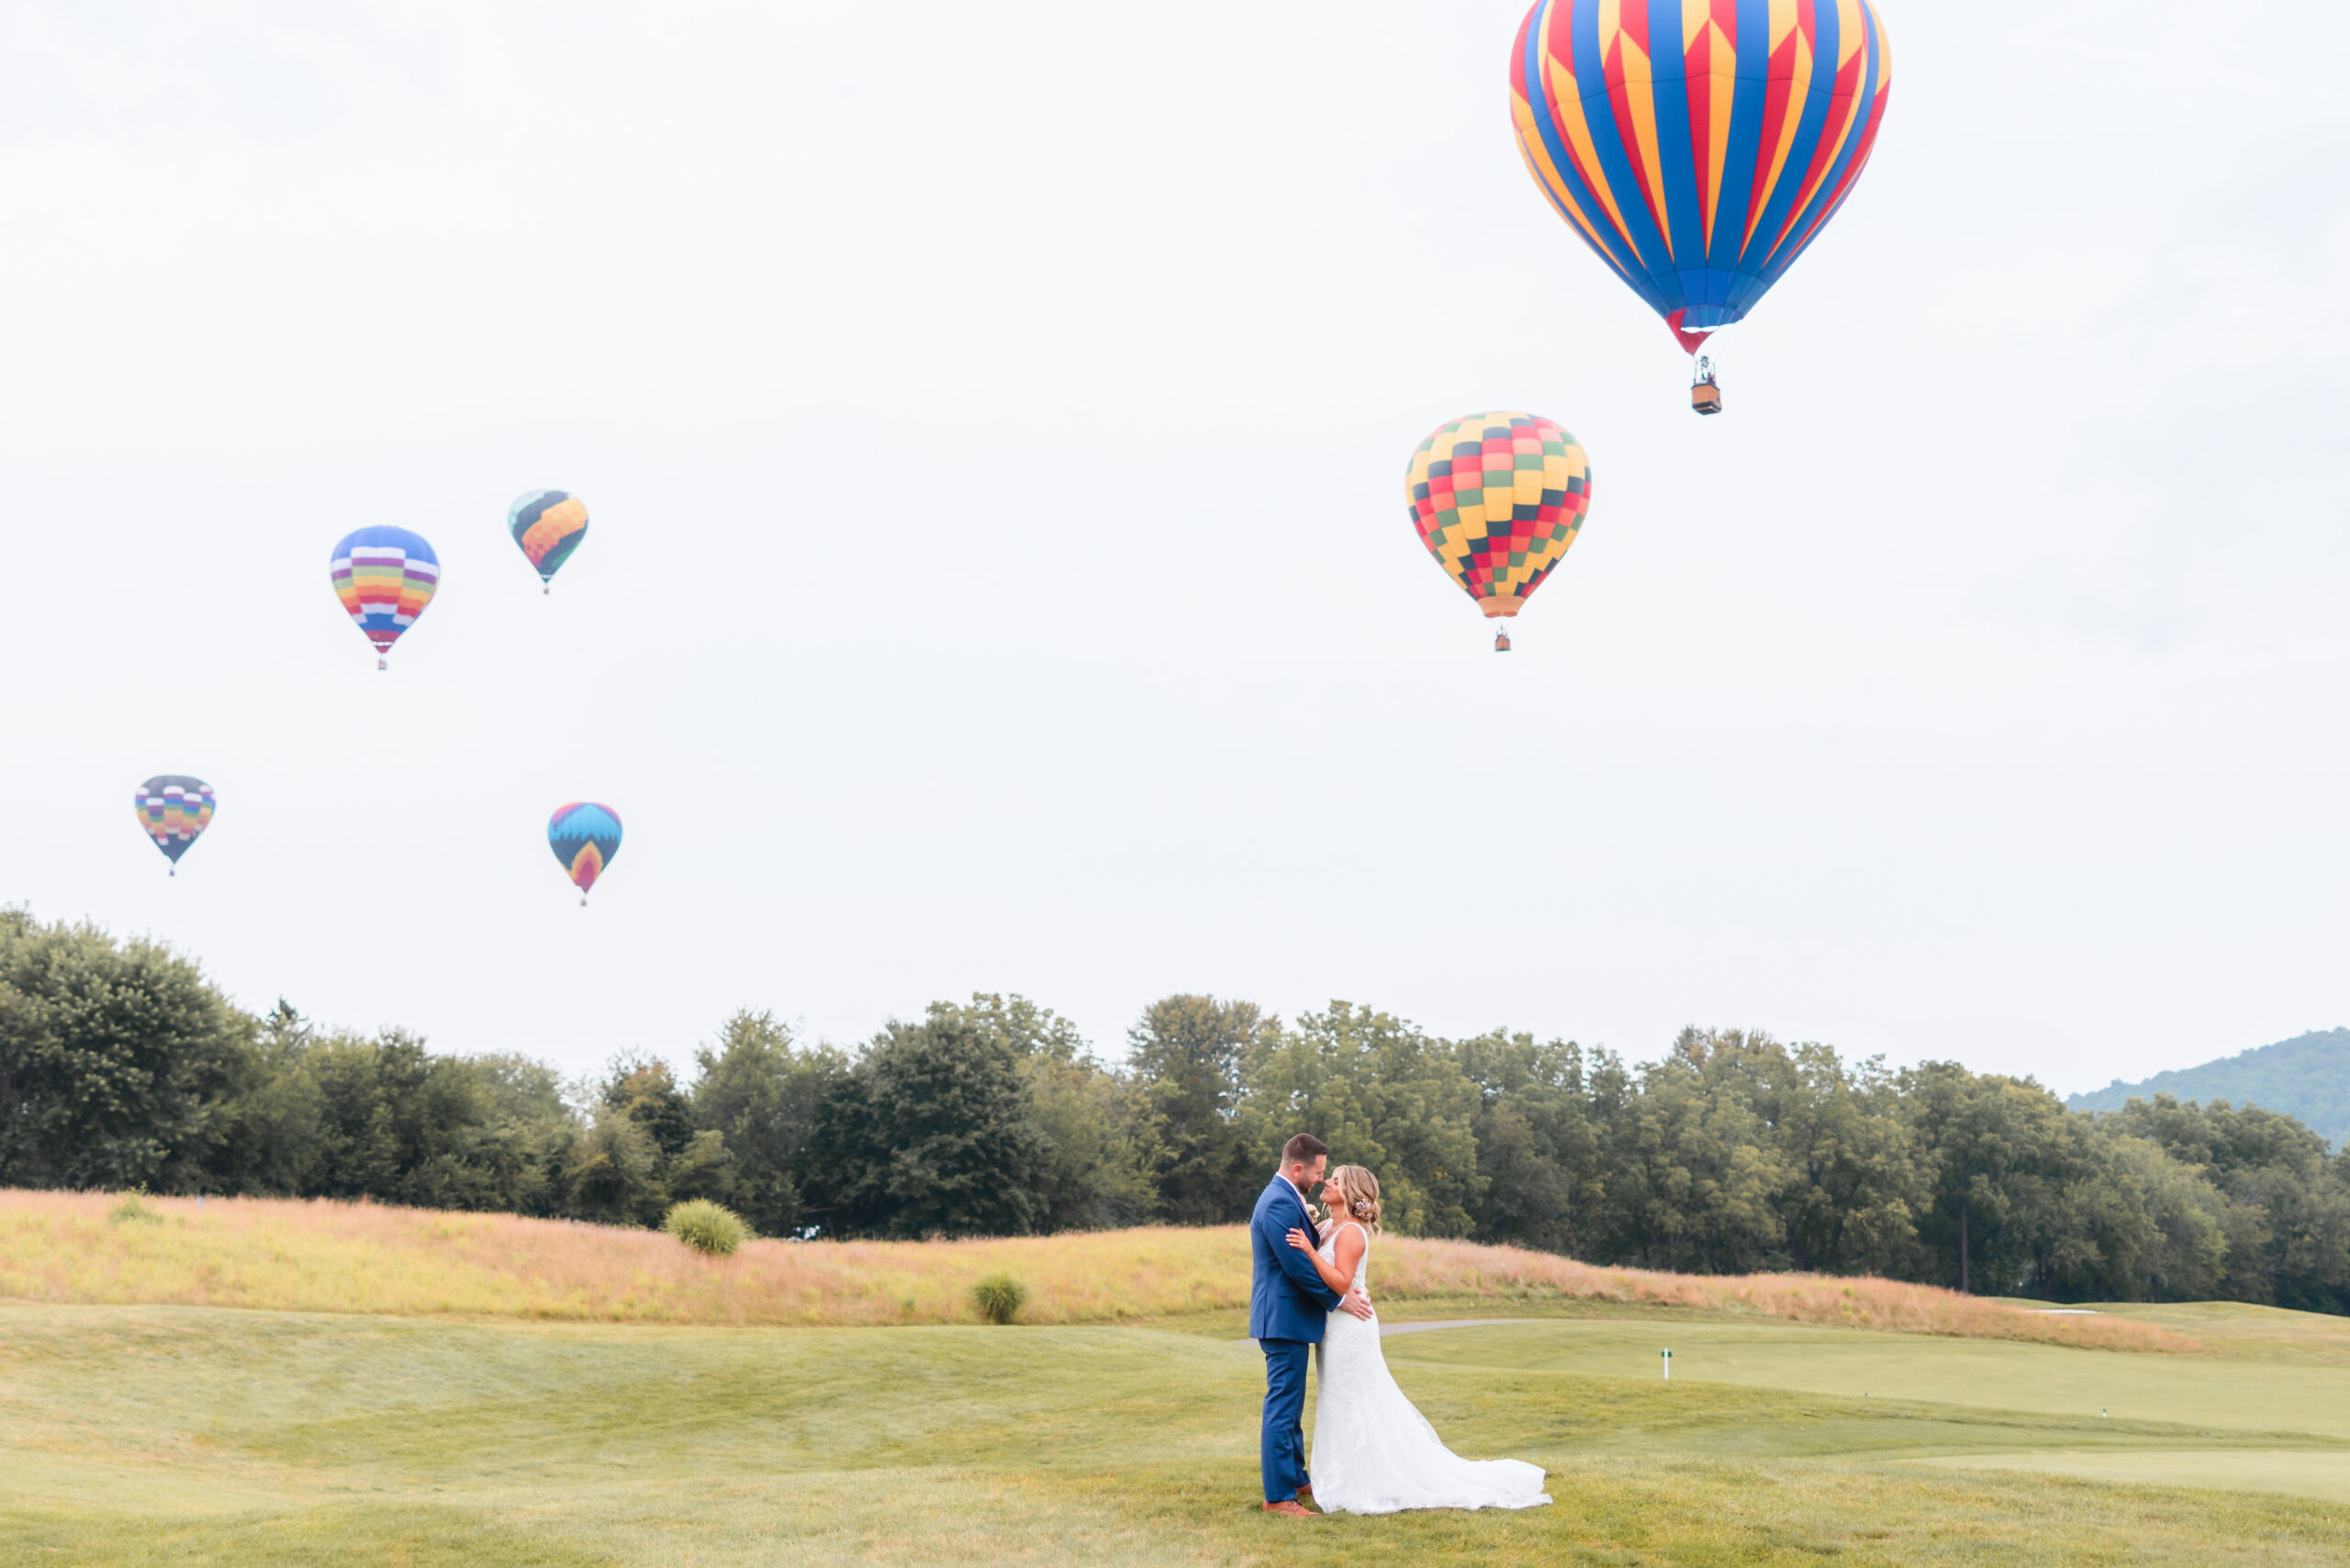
(1373, 1451)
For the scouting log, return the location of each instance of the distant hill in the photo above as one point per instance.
(2308, 1078)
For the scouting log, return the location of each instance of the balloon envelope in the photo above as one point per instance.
(385, 578)
(1498, 498)
(172, 809)
(548, 525)
(1698, 146)
(585, 836)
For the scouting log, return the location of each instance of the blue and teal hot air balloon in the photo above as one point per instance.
(585, 836)
(1698, 146)
(548, 525)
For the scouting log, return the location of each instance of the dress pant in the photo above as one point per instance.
(1283, 1444)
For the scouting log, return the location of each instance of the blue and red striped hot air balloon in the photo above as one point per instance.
(585, 836)
(1698, 146)
(385, 578)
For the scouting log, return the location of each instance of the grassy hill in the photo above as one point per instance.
(2307, 1077)
(87, 1249)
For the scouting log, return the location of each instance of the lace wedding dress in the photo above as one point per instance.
(1374, 1452)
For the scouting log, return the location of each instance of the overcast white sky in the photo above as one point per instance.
(992, 420)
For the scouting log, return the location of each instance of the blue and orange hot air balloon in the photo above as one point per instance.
(1498, 498)
(1698, 146)
(172, 809)
(385, 578)
(548, 525)
(585, 836)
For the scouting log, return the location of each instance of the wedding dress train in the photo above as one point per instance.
(1374, 1452)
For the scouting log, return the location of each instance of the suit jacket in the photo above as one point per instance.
(1287, 1299)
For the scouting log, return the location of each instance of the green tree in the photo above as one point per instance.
(2141, 1226)
(642, 1089)
(931, 1134)
(1382, 1095)
(1184, 1055)
(689, 1161)
(705, 1168)
(1092, 1175)
(1537, 1142)
(1997, 1153)
(762, 1094)
(2287, 1204)
(505, 1149)
(614, 1173)
(272, 1141)
(116, 1059)
(1854, 1190)
(1698, 1177)
(345, 1116)
(1028, 1029)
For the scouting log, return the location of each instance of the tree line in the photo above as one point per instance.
(122, 1065)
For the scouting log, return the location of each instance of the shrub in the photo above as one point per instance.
(132, 1208)
(707, 1227)
(999, 1297)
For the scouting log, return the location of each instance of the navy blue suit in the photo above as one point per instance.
(1288, 1306)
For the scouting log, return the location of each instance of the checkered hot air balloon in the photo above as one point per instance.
(585, 836)
(385, 578)
(1497, 499)
(173, 809)
(1698, 146)
(548, 525)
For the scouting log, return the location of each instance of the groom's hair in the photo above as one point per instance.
(1303, 1149)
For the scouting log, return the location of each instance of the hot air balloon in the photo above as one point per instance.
(1497, 499)
(585, 836)
(172, 809)
(548, 525)
(385, 578)
(1698, 146)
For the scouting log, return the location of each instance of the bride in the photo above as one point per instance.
(1373, 1451)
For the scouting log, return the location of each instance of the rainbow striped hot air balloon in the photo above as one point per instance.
(548, 525)
(585, 836)
(172, 809)
(1698, 146)
(385, 578)
(1498, 498)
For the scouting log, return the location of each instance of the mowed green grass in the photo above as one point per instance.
(140, 1434)
(2219, 1395)
(2268, 1424)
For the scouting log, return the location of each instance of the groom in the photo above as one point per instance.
(1288, 1304)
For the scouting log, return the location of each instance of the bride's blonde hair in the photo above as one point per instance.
(1359, 1188)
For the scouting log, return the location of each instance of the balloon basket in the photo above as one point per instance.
(545, 588)
(1705, 392)
(382, 663)
(1501, 642)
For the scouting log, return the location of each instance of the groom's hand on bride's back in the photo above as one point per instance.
(1357, 1304)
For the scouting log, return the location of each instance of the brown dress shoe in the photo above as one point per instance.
(1286, 1506)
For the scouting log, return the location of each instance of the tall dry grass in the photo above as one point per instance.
(366, 1258)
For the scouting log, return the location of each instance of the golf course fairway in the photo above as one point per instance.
(195, 1435)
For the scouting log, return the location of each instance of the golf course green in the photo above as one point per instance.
(192, 1435)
